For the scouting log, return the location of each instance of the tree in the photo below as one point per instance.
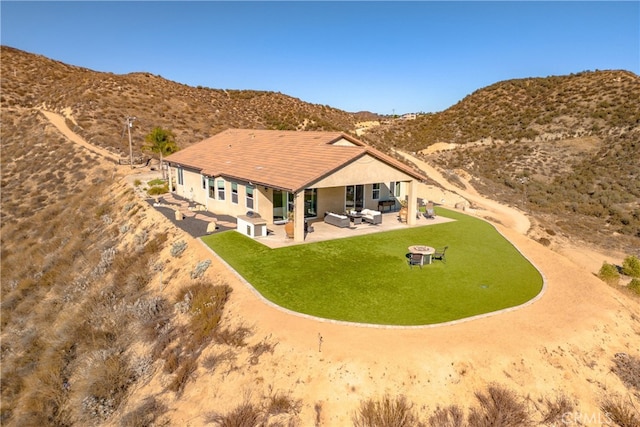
(161, 141)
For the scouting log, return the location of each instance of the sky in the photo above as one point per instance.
(383, 57)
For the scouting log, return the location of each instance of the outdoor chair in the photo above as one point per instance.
(439, 254)
(416, 259)
(429, 211)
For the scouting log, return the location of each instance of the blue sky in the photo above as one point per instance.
(385, 57)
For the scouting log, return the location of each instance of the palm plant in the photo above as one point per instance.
(161, 141)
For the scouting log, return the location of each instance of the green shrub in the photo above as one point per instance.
(154, 191)
(634, 285)
(157, 182)
(631, 266)
(137, 183)
(609, 273)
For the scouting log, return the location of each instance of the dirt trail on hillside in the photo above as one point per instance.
(59, 122)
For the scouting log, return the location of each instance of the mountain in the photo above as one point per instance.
(555, 146)
(110, 315)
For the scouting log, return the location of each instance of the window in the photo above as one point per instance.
(212, 188)
(221, 189)
(204, 182)
(234, 193)
(375, 191)
(180, 176)
(394, 188)
(249, 201)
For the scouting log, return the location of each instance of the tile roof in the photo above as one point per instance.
(289, 160)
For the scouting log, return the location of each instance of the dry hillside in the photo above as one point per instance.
(554, 146)
(111, 316)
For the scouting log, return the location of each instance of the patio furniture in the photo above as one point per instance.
(371, 216)
(425, 252)
(416, 259)
(341, 221)
(429, 212)
(386, 204)
(355, 217)
(439, 254)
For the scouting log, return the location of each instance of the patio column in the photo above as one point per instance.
(298, 220)
(412, 202)
(170, 179)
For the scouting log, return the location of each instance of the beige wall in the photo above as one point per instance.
(365, 170)
(192, 189)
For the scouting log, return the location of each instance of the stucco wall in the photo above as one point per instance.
(365, 170)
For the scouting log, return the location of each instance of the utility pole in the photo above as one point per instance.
(129, 126)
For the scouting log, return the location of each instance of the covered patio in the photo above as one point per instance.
(277, 237)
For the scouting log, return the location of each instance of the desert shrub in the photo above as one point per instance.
(200, 268)
(109, 378)
(207, 305)
(258, 349)
(212, 361)
(609, 273)
(281, 403)
(234, 336)
(244, 415)
(451, 416)
(183, 373)
(621, 413)
(178, 248)
(554, 410)
(631, 266)
(156, 182)
(156, 244)
(386, 412)
(627, 368)
(137, 182)
(634, 285)
(498, 407)
(146, 414)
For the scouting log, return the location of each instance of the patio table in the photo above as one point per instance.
(425, 251)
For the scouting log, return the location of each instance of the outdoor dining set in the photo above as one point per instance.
(421, 254)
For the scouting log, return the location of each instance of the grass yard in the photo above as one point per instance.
(367, 278)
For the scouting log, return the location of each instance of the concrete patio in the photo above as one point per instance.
(277, 237)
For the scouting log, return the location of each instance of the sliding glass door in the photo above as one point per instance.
(283, 205)
(354, 197)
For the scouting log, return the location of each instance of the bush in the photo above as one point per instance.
(621, 413)
(609, 273)
(178, 248)
(451, 416)
(245, 415)
(634, 285)
(386, 413)
(499, 407)
(631, 266)
(154, 191)
(201, 267)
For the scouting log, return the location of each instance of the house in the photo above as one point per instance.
(280, 173)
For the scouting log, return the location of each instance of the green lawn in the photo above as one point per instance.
(367, 278)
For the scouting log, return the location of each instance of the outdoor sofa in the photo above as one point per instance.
(371, 216)
(341, 221)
